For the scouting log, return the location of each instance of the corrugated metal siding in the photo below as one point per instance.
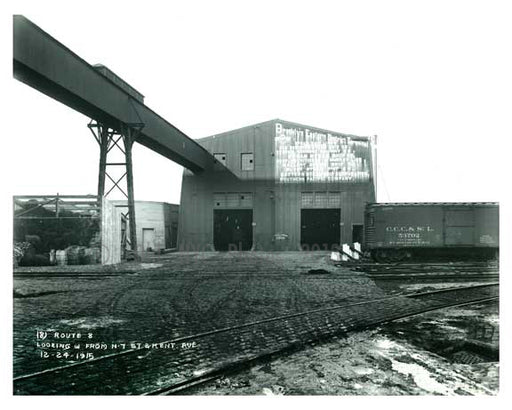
(276, 206)
(257, 140)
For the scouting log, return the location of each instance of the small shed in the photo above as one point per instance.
(157, 225)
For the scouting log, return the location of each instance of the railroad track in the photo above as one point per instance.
(424, 270)
(143, 371)
(75, 275)
(436, 276)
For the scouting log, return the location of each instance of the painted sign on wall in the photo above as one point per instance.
(305, 155)
(410, 235)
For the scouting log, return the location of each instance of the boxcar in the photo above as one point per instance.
(400, 231)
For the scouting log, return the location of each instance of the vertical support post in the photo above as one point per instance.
(374, 165)
(103, 141)
(57, 210)
(128, 138)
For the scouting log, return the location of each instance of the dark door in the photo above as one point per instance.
(168, 241)
(320, 229)
(174, 235)
(357, 233)
(232, 229)
(171, 235)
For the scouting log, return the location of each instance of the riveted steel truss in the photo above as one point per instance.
(121, 140)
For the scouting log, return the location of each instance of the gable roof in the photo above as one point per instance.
(293, 124)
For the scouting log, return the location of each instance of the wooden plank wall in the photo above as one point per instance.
(110, 233)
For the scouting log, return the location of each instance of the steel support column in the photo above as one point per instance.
(103, 140)
(129, 136)
(108, 139)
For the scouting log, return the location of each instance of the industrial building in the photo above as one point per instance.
(278, 185)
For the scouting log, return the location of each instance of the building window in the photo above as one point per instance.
(232, 200)
(307, 199)
(321, 199)
(248, 161)
(219, 199)
(334, 199)
(221, 157)
(246, 200)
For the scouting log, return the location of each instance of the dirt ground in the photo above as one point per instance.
(447, 352)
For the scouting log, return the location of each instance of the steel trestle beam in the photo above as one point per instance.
(45, 64)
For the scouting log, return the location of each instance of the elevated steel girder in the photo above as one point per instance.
(43, 63)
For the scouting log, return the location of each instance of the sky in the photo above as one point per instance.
(430, 79)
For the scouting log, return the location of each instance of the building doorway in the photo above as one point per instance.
(357, 233)
(171, 235)
(320, 229)
(148, 239)
(174, 235)
(232, 229)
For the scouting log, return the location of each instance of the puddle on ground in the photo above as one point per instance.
(427, 372)
(421, 376)
(428, 286)
(464, 336)
(150, 265)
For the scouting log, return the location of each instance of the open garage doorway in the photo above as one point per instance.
(232, 229)
(320, 229)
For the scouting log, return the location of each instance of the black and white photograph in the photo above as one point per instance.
(256, 198)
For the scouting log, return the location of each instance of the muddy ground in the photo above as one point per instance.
(447, 352)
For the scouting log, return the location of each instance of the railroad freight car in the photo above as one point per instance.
(401, 231)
